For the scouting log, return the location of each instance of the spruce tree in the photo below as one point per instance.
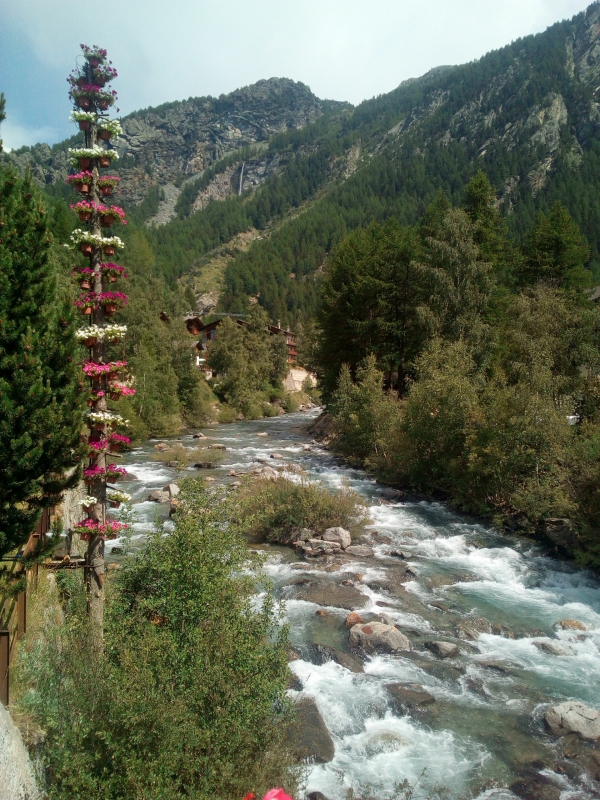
(41, 407)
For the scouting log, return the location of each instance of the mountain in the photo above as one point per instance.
(247, 194)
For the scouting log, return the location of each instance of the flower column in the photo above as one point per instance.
(96, 303)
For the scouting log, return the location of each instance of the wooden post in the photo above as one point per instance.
(4, 665)
(21, 614)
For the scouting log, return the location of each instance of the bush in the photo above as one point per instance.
(188, 697)
(271, 508)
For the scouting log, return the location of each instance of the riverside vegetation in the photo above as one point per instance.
(495, 352)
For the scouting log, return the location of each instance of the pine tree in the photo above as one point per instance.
(2, 114)
(41, 404)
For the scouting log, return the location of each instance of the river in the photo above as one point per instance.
(485, 727)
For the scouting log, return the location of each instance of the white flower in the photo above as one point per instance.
(118, 496)
(107, 417)
(88, 500)
(77, 116)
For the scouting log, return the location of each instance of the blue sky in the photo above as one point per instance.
(343, 49)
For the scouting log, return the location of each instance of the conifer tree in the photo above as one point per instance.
(41, 408)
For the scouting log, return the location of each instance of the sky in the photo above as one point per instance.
(174, 49)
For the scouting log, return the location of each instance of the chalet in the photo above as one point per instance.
(208, 333)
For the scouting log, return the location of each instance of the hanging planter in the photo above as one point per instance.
(115, 503)
(112, 376)
(86, 248)
(84, 216)
(106, 191)
(103, 104)
(109, 250)
(84, 125)
(107, 220)
(92, 341)
(83, 102)
(110, 309)
(115, 396)
(104, 162)
(104, 134)
(86, 310)
(84, 163)
(85, 284)
(84, 188)
(81, 82)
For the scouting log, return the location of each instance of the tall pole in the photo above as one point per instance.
(91, 101)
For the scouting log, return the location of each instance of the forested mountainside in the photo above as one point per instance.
(297, 174)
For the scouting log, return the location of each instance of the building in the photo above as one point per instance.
(208, 333)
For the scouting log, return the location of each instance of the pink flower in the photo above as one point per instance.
(276, 794)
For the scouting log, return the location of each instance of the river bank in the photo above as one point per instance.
(476, 721)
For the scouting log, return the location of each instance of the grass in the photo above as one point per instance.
(269, 509)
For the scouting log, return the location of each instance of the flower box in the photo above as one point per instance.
(110, 309)
(84, 163)
(109, 250)
(84, 216)
(85, 284)
(103, 104)
(106, 191)
(104, 161)
(104, 134)
(84, 125)
(83, 103)
(86, 248)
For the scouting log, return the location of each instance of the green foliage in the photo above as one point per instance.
(272, 508)
(41, 405)
(499, 377)
(188, 698)
(250, 363)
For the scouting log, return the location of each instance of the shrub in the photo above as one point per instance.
(271, 508)
(188, 698)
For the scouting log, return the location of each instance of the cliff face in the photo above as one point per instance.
(17, 781)
(179, 140)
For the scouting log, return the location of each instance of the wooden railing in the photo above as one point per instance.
(13, 610)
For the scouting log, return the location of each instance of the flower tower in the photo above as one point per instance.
(98, 301)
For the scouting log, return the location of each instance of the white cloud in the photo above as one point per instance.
(14, 135)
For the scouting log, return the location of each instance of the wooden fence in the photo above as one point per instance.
(13, 610)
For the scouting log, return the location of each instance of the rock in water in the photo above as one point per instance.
(378, 636)
(574, 717)
(571, 625)
(354, 619)
(339, 536)
(406, 696)
(552, 648)
(159, 496)
(172, 489)
(308, 734)
(360, 550)
(442, 649)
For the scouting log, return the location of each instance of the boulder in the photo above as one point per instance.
(308, 734)
(472, 627)
(316, 796)
(267, 472)
(401, 554)
(173, 464)
(552, 648)
(574, 717)
(199, 436)
(360, 551)
(159, 496)
(322, 653)
(392, 494)
(161, 447)
(172, 489)
(204, 465)
(296, 536)
(378, 636)
(561, 532)
(338, 535)
(571, 625)
(406, 696)
(216, 447)
(328, 593)
(262, 434)
(442, 649)
(354, 619)
(276, 455)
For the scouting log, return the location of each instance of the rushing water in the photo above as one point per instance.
(486, 724)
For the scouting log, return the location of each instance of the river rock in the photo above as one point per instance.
(266, 472)
(401, 554)
(317, 796)
(295, 536)
(161, 447)
(552, 648)
(360, 551)
(561, 532)
(535, 787)
(159, 496)
(328, 593)
(392, 494)
(204, 465)
(308, 734)
(262, 434)
(339, 536)
(442, 649)
(276, 455)
(406, 696)
(354, 619)
(571, 625)
(574, 717)
(378, 636)
(472, 627)
(173, 464)
(322, 653)
(216, 447)
(172, 489)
